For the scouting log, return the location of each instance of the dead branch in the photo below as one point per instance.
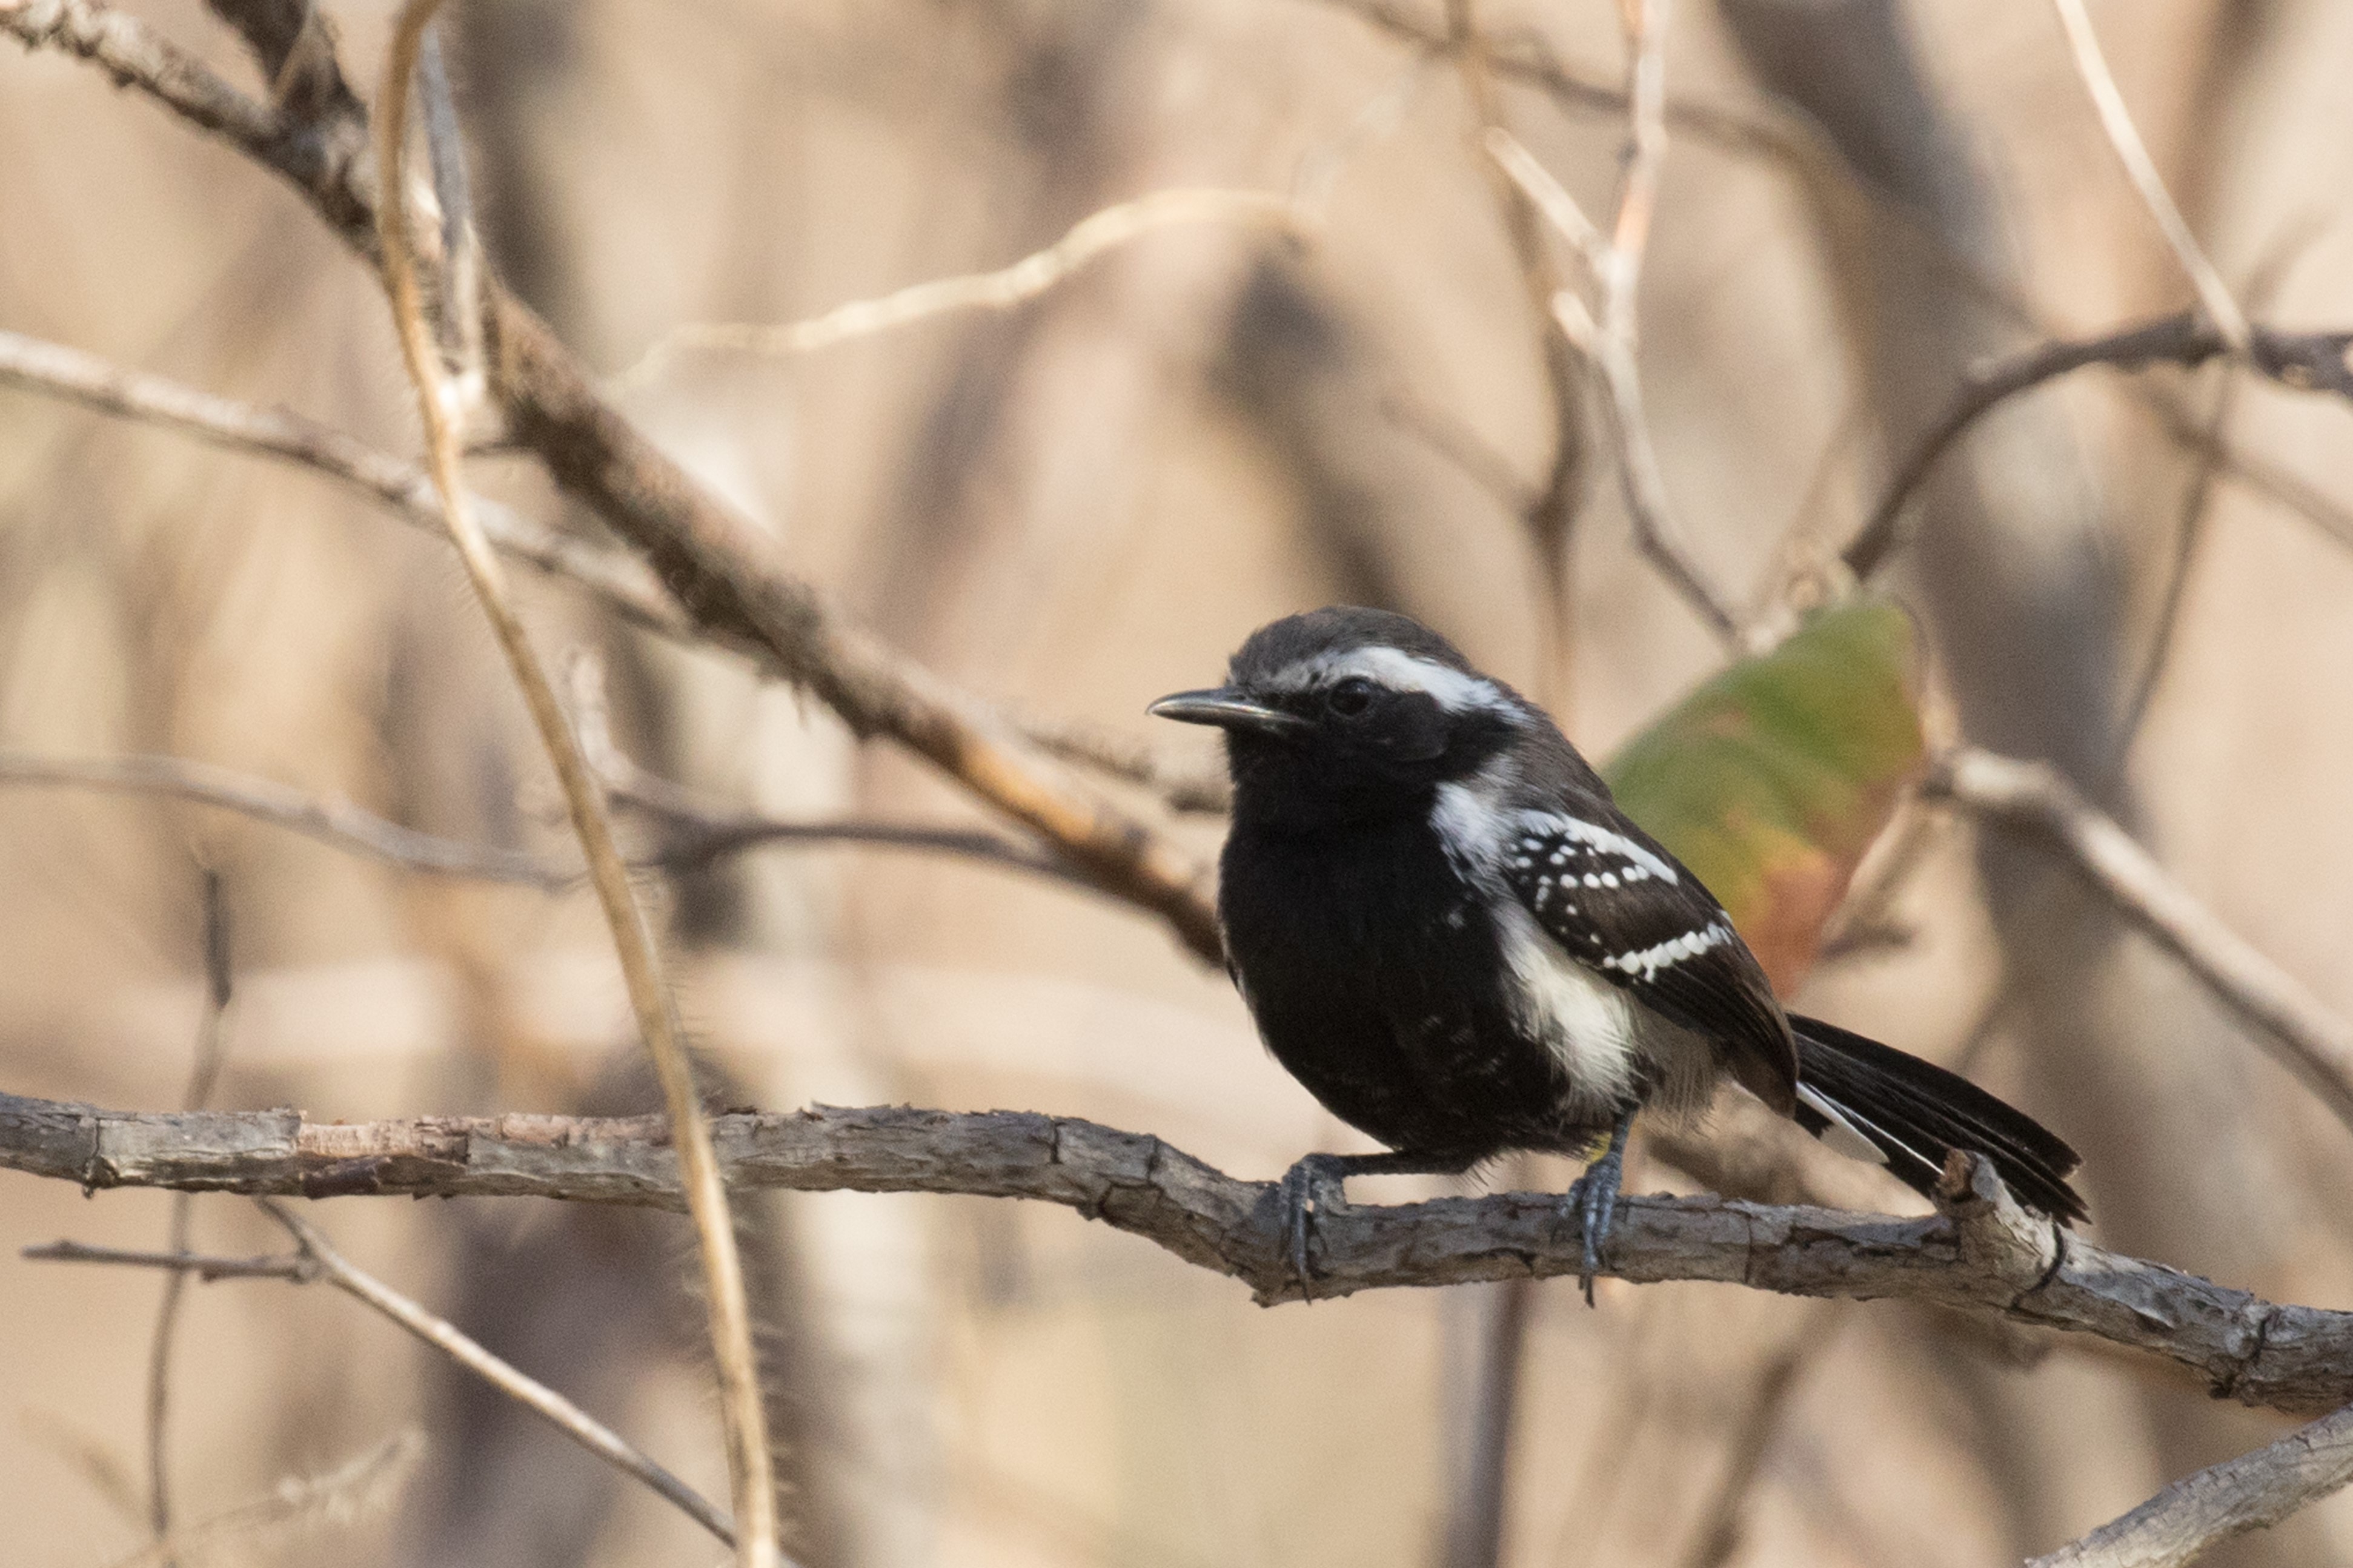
(2222, 310)
(2287, 1019)
(717, 564)
(1088, 241)
(620, 579)
(2308, 361)
(1981, 1254)
(316, 1259)
(2254, 1491)
(1609, 335)
(751, 1473)
(698, 835)
(1526, 59)
(354, 1490)
(204, 1073)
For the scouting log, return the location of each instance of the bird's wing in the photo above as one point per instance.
(1620, 905)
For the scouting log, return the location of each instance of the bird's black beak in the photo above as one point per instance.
(1228, 709)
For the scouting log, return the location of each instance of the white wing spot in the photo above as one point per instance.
(1646, 964)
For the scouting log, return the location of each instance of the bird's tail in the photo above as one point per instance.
(1913, 1113)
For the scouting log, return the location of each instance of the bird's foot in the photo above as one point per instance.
(1593, 1198)
(1310, 1187)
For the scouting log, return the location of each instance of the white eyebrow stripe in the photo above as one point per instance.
(1453, 690)
(1536, 826)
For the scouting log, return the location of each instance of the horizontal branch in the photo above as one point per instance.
(1981, 1254)
(2310, 362)
(2287, 1019)
(698, 837)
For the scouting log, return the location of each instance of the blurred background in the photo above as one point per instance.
(1071, 507)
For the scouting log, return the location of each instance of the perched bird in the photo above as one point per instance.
(1449, 933)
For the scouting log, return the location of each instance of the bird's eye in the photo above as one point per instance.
(1351, 696)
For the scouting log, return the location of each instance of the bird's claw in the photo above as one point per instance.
(1308, 1189)
(1593, 1198)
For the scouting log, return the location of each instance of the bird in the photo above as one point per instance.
(1447, 931)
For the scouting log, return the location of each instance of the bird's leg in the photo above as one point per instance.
(1594, 1198)
(1315, 1184)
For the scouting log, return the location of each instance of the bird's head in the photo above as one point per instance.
(1346, 714)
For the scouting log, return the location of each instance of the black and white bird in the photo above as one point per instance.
(1447, 932)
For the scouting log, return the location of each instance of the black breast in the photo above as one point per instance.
(1378, 979)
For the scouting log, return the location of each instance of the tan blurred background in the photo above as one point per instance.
(1073, 507)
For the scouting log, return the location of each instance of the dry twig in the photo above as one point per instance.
(717, 565)
(2311, 362)
(2293, 1024)
(700, 833)
(2222, 310)
(1981, 1254)
(1609, 336)
(351, 1490)
(203, 1072)
(316, 1259)
(2254, 1491)
(1087, 240)
(744, 1414)
(52, 369)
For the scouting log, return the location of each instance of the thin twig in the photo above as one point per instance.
(537, 1398)
(1550, 515)
(1981, 1254)
(55, 370)
(1609, 335)
(1525, 57)
(203, 1072)
(751, 1473)
(2213, 294)
(2312, 361)
(2198, 1512)
(720, 569)
(316, 1259)
(1718, 1538)
(2209, 461)
(2291, 1023)
(701, 833)
(349, 1491)
(1091, 238)
(618, 579)
(2189, 534)
(333, 821)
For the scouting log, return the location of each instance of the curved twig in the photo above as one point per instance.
(316, 1259)
(2312, 361)
(2294, 1025)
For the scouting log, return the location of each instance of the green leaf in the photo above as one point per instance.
(1771, 779)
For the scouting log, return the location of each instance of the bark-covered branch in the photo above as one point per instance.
(2254, 1491)
(1981, 1254)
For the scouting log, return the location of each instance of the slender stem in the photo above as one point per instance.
(751, 1478)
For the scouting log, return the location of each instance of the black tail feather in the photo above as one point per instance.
(1915, 1113)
